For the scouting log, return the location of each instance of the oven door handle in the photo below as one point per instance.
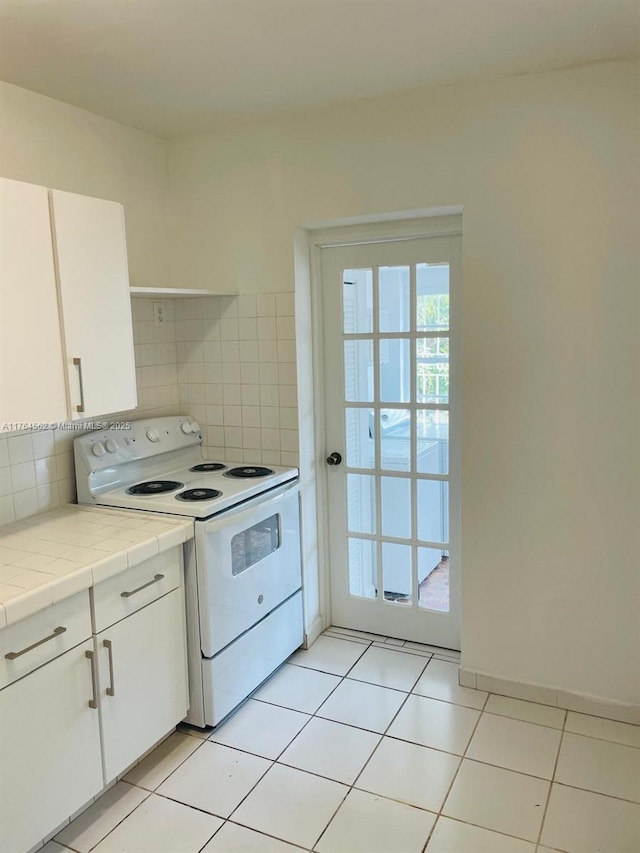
(259, 508)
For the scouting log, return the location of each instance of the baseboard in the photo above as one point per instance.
(313, 632)
(610, 709)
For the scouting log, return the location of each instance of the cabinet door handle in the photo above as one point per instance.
(78, 364)
(56, 633)
(93, 703)
(156, 578)
(111, 690)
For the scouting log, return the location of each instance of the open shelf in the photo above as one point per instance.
(177, 292)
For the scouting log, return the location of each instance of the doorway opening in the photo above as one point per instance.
(390, 312)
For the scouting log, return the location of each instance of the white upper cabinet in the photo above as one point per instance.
(32, 385)
(66, 336)
(93, 281)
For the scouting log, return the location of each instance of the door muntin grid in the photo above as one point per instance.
(396, 430)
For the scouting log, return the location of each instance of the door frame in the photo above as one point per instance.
(445, 222)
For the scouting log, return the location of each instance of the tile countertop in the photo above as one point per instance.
(52, 555)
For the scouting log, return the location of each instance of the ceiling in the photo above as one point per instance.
(174, 66)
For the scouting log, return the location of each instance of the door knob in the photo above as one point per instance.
(334, 459)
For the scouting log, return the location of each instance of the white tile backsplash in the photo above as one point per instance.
(23, 476)
(20, 449)
(241, 386)
(266, 305)
(227, 361)
(247, 305)
(285, 305)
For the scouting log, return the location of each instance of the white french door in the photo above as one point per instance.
(391, 342)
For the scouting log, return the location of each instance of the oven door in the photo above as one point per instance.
(248, 562)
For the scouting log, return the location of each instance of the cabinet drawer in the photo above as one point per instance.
(134, 588)
(39, 638)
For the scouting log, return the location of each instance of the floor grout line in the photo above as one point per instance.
(553, 776)
(462, 757)
(603, 739)
(520, 720)
(133, 785)
(276, 760)
(351, 787)
(148, 793)
(260, 832)
(598, 793)
(430, 656)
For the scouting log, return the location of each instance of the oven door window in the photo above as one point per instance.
(254, 544)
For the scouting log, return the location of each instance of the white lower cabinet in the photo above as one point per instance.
(50, 758)
(143, 680)
(72, 719)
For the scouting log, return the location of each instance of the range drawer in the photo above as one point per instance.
(123, 594)
(44, 636)
(230, 676)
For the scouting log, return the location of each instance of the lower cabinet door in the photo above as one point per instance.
(50, 748)
(143, 680)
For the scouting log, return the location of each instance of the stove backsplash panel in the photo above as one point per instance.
(237, 375)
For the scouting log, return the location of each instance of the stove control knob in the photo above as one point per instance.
(186, 427)
(195, 427)
(153, 435)
(111, 445)
(98, 449)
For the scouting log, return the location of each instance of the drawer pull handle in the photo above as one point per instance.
(156, 578)
(56, 633)
(78, 364)
(111, 690)
(93, 703)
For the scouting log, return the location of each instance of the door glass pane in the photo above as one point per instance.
(433, 441)
(361, 503)
(396, 507)
(394, 371)
(432, 370)
(433, 510)
(362, 568)
(432, 297)
(254, 544)
(358, 371)
(395, 439)
(359, 438)
(433, 579)
(357, 301)
(393, 299)
(396, 572)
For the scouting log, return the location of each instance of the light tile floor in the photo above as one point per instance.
(368, 745)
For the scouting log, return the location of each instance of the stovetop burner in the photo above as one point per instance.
(248, 472)
(154, 487)
(209, 466)
(198, 495)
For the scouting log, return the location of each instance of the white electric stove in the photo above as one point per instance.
(243, 569)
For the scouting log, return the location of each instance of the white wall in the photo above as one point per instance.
(46, 142)
(547, 169)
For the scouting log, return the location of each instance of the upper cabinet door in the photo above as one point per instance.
(93, 279)
(32, 386)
